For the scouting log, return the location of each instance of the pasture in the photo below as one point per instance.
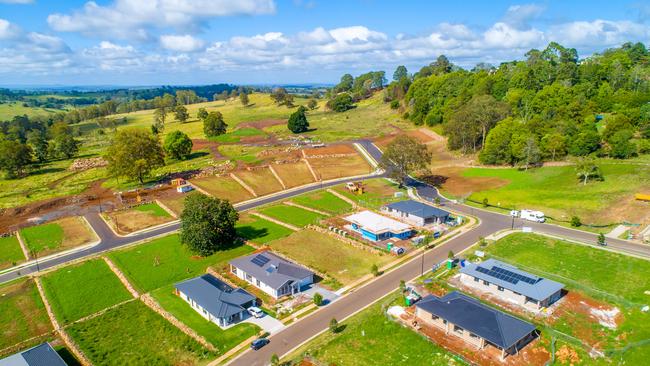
(58, 235)
(10, 252)
(22, 313)
(291, 215)
(259, 230)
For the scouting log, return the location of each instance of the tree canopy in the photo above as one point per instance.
(208, 224)
(177, 145)
(298, 121)
(404, 156)
(213, 124)
(134, 153)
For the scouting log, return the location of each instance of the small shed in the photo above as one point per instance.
(184, 188)
(178, 182)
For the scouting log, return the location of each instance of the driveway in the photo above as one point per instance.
(267, 323)
(328, 296)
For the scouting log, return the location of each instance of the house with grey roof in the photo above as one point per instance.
(215, 300)
(416, 213)
(475, 323)
(41, 355)
(272, 274)
(511, 284)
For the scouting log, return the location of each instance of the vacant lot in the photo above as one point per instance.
(259, 230)
(22, 313)
(10, 252)
(328, 255)
(335, 149)
(56, 236)
(242, 153)
(165, 261)
(132, 334)
(323, 201)
(223, 340)
(224, 188)
(377, 192)
(291, 215)
(337, 167)
(294, 174)
(138, 218)
(77, 291)
(261, 180)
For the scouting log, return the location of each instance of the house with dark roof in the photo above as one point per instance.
(272, 274)
(477, 324)
(511, 284)
(41, 355)
(215, 300)
(416, 213)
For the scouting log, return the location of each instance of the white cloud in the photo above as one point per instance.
(184, 43)
(16, 1)
(599, 33)
(8, 30)
(502, 35)
(519, 16)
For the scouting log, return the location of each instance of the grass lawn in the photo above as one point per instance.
(259, 230)
(62, 234)
(22, 313)
(11, 109)
(323, 201)
(132, 334)
(77, 291)
(328, 255)
(241, 153)
(262, 181)
(138, 218)
(344, 166)
(291, 215)
(10, 252)
(224, 188)
(223, 340)
(378, 192)
(165, 261)
(372, 338)
(294, 174)
(153, 209)
(238, 134)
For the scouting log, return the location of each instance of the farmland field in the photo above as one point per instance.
(138, 218)
(291, 215)
(261, 181)
(323, 201)
(80, 290)
(9, 110)
(259, 230)
(344, 166)
(10, 252)
(165, 261)
(58, 235)
(22, 313)
(224, 188)
(328, 255)
(132, 334)
(223, 340)
(294, 174)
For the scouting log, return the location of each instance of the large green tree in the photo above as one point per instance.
(178, 145)
(180, 113)
(341, 103)
(15, 157)
(213, 124)
(404, 156)
(298, 121)
(208, 224)
(134, 153)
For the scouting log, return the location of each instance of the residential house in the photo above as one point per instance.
(475, 323)
(272, 274)
(375, 227)
(215, 300)
(511, 284)
(416, 213)
(41, 355)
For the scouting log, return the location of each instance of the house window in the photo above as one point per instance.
(472, 335)
(434, 317)
(233, 269)
(475, 279)
(249, 278)
(500, 288)
(257, 283)
(458, 329)
(486, 283)
(444, 321)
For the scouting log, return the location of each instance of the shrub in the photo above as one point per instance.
(318, 299)
(575, 221)
(334, 325)
(394, 104)
(374, 270)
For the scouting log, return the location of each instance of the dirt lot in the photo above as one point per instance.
(334, 149)
(131, 220)
(337, 167)
(452, 181)
(202, 144)
(224, 188)
(261, 180)
(294, 174)
(423, 135)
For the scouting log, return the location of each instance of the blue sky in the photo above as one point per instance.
(153, 42)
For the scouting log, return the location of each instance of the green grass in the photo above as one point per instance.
(132, 334)
(371, 338)
(22, 313)
(324, 201)
(165, 261)
(259, 230)
(238, 134)
(42, 237)
(9, 110)
(292, 215)
(10, 252)
(378, 192)
(153, 209)
(223, 340)
(77, 291)
(241, 153)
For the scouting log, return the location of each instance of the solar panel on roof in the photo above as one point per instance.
(260, 260)
(513, 276)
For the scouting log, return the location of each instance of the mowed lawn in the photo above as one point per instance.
(261, 181)
(291, 215)
(223, 340)
(80, 290)
(328, 255)
(132, 334)
(323, 201)
(22, 313)
(10, 252)
(224, 188)
(165, 261)
(259, 230)
(62, 234)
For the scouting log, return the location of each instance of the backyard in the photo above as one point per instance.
(138, 218)
(291, 215)
(10, 252)
(56, 236)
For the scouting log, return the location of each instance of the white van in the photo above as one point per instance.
(530, 215)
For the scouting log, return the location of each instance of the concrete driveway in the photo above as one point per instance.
(328, 296)
(267, 323)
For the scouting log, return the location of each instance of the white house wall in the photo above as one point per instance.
(253, 281)
(506, 294)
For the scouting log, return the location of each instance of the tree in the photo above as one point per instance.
(202, 113)
(450, 255)
(334, 325)
(553, 144)
(213, 124)
(243, 98)
(586, 169)
(312, 104)
(621, 145)
(403, 156)
(159, 117)
(298, 121)
(208, 224)
(601, 239)
(134, 153)
(575, 221)
(178, 145)
(374, 270)
(345, 84)
(275, 360)
(530, 153)
(470, 124)
(14, 158)
(318, 299)
(37, 141)
(485, 202)
(281, 97)
(180, 113)
(65, 146)
(400, 73)
(340, 103)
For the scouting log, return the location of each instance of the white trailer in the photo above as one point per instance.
(530, 215)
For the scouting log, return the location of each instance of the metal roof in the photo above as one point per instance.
(418, 209)
(512, 278)
(468, 313)
(215, 296)
(376, 223)
(41, 355)
(272, 270)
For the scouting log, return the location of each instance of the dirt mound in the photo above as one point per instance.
(262, 124)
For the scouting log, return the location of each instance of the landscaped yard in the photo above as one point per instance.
(223, 340)
(294, 174)
(259, 230)
(291, 215)
(10, 252)
(138, 218)
(132, 334)
(342, 166)
(80, 290)
(323, 201)
(22, 314)
(57, 235)
(378, 192)
(165, 261)
(224, 188)
(330, 256)
(261, 180)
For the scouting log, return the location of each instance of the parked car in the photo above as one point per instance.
(255, 311)
(259, 343)
(397, 250)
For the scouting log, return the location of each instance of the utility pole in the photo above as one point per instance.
(422, 265)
